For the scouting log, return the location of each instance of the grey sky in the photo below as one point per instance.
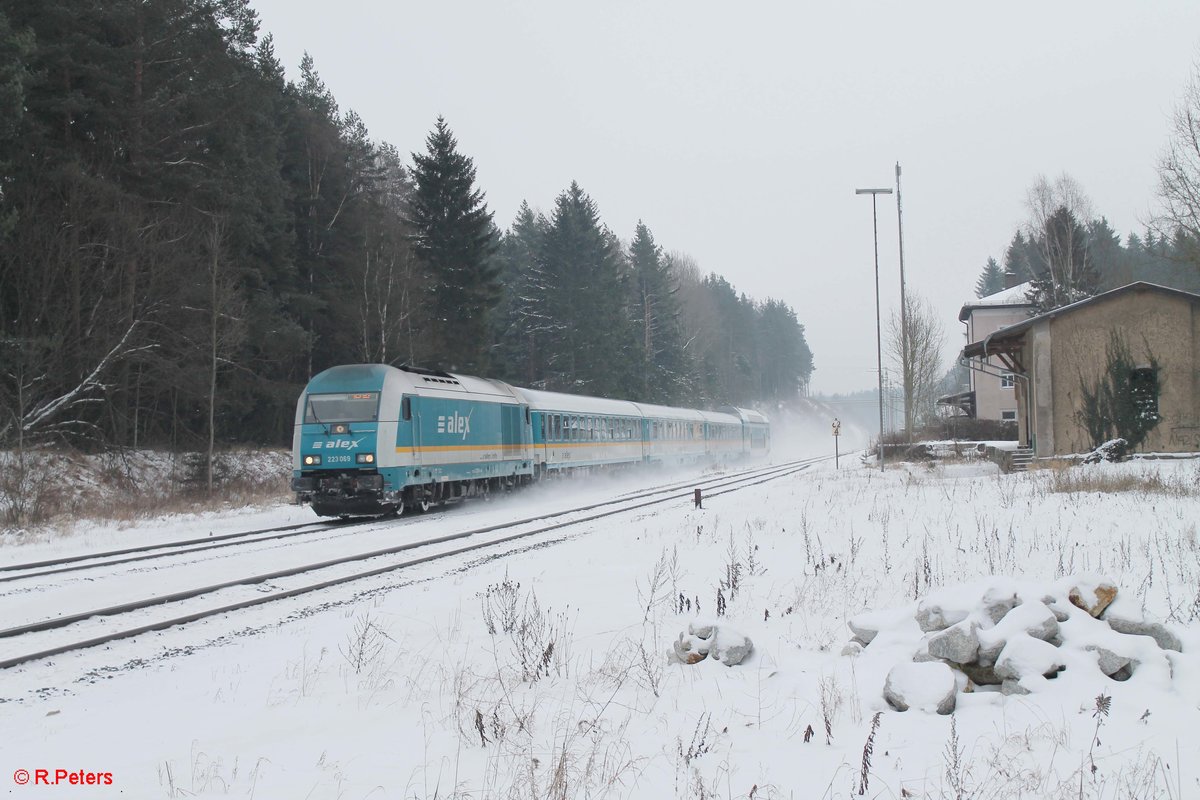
(738, 133)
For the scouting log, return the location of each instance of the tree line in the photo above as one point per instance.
(1068, 253)
(186, 236)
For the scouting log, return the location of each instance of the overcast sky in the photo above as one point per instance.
(739, 132)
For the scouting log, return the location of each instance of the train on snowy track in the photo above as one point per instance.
(373, 439)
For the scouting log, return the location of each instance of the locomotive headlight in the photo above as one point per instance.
(365, 458)
(312, 461)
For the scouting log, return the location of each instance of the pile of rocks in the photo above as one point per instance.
(708, 640)
(1015, 637)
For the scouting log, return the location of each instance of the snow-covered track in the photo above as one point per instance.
(713, 486)
(82, 561)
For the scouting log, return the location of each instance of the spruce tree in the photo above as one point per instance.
(1064, 272)
(589, 344)
(454, 239)
(522, 314)
(991, 280)
(1017, 265)
(655, 313)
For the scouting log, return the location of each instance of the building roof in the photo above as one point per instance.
(1003, 339)
(1012, 297)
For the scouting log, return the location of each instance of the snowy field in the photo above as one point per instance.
(547, 673)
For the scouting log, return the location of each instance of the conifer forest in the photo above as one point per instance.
(187, 235)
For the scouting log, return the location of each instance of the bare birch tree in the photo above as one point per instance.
(1064, 271)
(925, 339)
(1179, 168)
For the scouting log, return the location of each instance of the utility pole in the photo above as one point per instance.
(906, 356)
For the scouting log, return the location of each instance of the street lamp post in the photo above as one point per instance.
(909, 412)
(878, 325)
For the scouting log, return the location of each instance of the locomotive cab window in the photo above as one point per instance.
(344, 407)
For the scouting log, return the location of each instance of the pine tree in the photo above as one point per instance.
(991, 280)
(454, 238)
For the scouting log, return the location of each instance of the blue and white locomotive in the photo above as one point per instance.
(376, 439)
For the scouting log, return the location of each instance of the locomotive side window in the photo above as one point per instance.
(406, 408)
(344, 407)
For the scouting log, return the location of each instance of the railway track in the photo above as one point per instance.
(253, 590)
(127, 555)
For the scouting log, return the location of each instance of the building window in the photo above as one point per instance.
(1006, 380)
(1143, 387)
(1008, 415)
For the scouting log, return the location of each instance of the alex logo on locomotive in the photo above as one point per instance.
(455, 423)
(337, 444)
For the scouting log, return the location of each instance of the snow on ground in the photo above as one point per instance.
(546, 673)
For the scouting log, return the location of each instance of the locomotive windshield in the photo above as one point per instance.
(356, 407)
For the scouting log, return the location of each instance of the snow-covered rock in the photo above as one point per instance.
(690, 649)
(1014, 637)
(1024, 656)
(865, 627)
(958, 643)
(730, 647)
(944, 608)
(1093, 594)
(1125, 616)
(1060, 614)
(927, 687)
(1111, 663)
(1032, 618)
(705, 639)
(998, 601)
